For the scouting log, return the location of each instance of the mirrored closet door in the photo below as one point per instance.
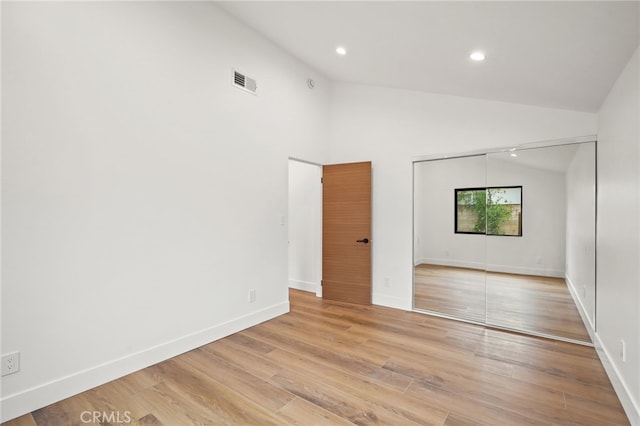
(507, 238)
(449, 261)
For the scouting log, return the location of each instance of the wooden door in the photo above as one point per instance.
(346, 232)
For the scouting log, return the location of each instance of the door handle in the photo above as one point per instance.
(364, 240)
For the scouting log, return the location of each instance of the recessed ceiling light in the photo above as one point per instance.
(477, 56)
(513, 154)
(340, 50)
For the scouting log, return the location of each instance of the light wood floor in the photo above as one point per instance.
(523, 302)
(334, 363)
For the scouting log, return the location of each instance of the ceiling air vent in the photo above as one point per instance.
(243, 82)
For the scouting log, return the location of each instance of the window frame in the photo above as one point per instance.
(486, 189)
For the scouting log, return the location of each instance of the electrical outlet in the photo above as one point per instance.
(252, 295)
(387, 282)
(539, 260)
(10, 363)
(623, 350)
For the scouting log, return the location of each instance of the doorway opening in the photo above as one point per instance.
(330, 230)
(305, 226)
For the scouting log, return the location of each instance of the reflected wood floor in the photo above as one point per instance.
(523, 302)
(459, 292)
(328, 362)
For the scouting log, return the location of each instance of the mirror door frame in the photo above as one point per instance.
(540, 144)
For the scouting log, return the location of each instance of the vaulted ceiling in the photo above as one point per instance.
(553, 54)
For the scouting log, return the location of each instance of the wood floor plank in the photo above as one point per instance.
(542, 360)
(409, 408)
(301, 412)
(116, 397)
(594, 411)
(486, 387)
(468, 408)
(334, 363)
(242, 356)
(350, 343)
(26, 420)
(169, 406)
(66, 412)
(251, 387)
(454, 419)
(345, 362)
(148, 420)
(324, 319)
(569, 385)
(337, 401)
(138, 381)
(211, 396)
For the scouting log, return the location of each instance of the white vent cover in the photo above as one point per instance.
(241, 81)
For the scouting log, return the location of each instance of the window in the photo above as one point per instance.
(489, 211)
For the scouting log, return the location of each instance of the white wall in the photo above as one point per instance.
(581, 231)
(305, 226)
(435, 240)
(142, 193)
(618, 247)
(391, 127)
(541, 248)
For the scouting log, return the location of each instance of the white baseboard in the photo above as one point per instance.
(450, 262)
(523, 270)
(391, 302)
(588, 323)
(630, 406)
(492, 268)
(304, 286)
(47, 393)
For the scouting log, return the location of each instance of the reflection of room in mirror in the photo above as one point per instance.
(543, 281)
